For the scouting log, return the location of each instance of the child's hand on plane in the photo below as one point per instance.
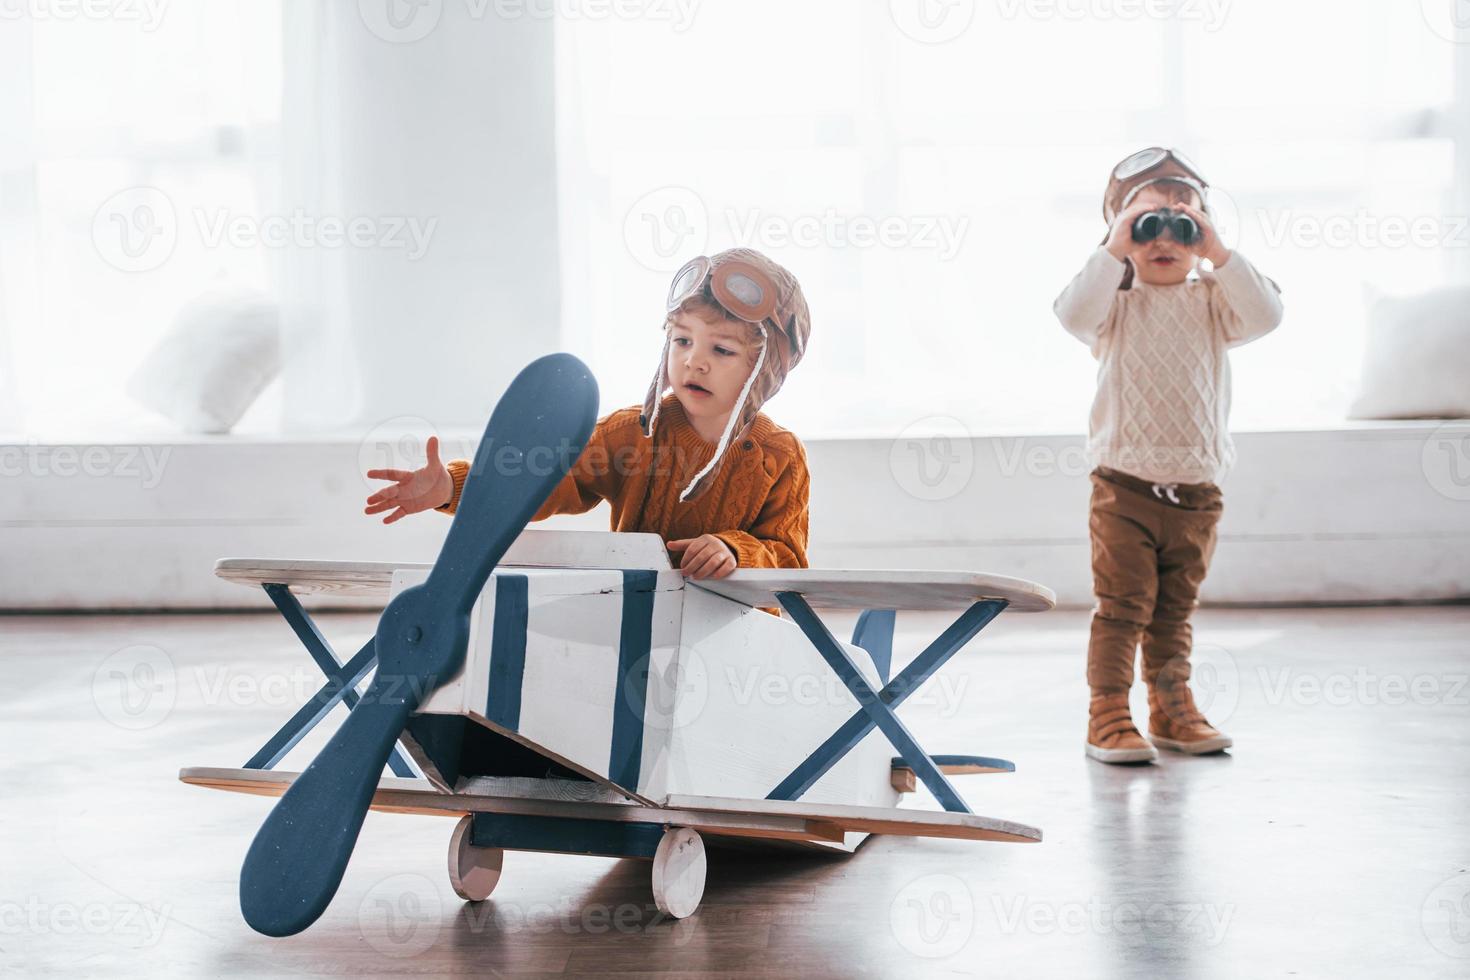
(704, 557)
(412, 490)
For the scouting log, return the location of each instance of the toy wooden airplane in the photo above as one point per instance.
(571, 692)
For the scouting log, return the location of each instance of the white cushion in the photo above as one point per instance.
(1416, 362)
(222, 350)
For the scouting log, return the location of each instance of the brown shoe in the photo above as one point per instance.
(1111, 736)
(1174, 723)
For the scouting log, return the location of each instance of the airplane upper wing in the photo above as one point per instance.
(844, 588)
(534, 548)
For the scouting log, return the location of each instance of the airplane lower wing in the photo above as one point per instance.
(777, 820)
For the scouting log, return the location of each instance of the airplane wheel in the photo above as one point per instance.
(473, 871)
(679, 869)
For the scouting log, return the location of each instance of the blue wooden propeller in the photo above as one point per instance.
(535, 434)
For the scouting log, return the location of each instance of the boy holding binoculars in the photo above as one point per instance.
(1160, 328)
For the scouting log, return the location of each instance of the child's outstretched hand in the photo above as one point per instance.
(412, 490)
(704, 557)
(1209, 245)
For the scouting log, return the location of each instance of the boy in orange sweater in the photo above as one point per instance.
(700, 465)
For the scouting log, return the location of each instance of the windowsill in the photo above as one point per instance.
(152, 518)
(1346, 425)
(164, 435)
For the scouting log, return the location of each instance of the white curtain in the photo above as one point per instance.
(108, 114)
(17, 220)
(415, 174)
(935, 189)
(440, 137)
(322, 386)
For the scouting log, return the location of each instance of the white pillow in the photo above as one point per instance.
(1416, 363)
(222, 350)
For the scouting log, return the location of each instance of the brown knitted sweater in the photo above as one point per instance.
(757, 503)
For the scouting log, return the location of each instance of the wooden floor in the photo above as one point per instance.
(1334, 841)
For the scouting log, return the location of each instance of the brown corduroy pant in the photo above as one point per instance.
(1149, 556)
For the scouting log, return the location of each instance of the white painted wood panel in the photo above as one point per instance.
(735, 698)
(1371, 512)
(755, 699)
(876, 588)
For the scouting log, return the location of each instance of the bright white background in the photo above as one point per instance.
(568, 163)
(676, 126)
(1301, 112)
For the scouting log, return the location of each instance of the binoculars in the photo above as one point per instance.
(1180, 226)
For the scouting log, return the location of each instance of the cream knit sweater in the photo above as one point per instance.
(1163, 378)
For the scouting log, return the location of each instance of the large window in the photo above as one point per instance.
(130, 130)
(931, 170)
(933, 174)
